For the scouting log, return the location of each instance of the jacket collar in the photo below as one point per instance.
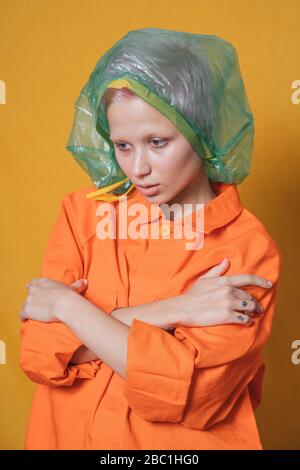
(217, 213)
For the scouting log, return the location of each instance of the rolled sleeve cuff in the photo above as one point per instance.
(46, 351)
(159, 373)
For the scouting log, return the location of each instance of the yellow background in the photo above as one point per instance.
(48, 48)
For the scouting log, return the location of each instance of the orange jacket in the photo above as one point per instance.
(194, 389)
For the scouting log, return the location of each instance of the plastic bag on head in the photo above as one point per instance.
(193, 79)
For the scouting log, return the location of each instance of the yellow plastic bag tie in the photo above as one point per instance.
(101, 194)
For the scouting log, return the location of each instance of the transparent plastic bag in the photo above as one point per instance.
(193, 79)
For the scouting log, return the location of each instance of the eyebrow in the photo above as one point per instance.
(148, 136)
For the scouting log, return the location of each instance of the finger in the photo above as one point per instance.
(242, 319)
(22, 316)
(244, 295)
(258, 307)
(248, 305)
(248, 279)
(217, 270)
(79, 285)
(244, 305)
(36, 280)
(241, 294)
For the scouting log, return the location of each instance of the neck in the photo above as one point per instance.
(199, 191)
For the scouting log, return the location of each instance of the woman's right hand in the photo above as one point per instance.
(215, 299)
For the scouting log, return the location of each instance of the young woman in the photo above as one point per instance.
(145, 341)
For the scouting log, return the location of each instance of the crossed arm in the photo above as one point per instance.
(59, 353)
(147, 312)
(81, 336)
(89, 324)
(194, 377)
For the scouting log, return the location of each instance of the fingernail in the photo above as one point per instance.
(261, 309)
(269, 283)
(85, 281)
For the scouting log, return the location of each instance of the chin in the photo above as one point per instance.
(157, 199)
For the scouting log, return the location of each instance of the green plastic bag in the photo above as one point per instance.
(193, 79)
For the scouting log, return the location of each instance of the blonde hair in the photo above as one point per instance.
(116, 94)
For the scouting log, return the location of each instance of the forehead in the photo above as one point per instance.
(137, 116)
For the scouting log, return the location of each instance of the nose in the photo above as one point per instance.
(140, 165)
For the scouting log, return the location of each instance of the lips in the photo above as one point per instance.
(146, 185)
(149, 190)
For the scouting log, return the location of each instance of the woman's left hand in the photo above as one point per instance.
(46, 297)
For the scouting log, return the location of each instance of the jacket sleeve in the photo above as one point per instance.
(197, 376)
(46, 348)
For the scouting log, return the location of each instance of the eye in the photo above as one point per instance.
(119, 146)
(157, 143)
(159, 140)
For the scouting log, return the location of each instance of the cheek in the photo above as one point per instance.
(168, 164)
(123, 163)
(179, 165)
